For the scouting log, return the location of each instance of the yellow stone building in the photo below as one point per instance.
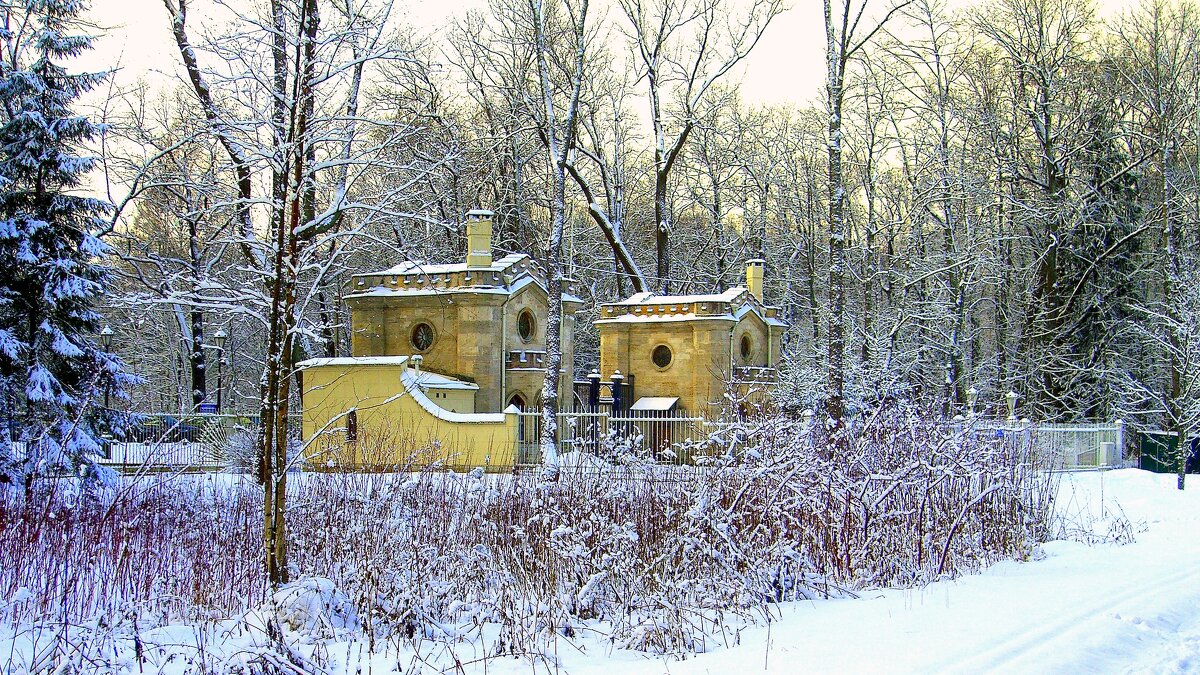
(686, 352)
(475, 331)
(445, 357)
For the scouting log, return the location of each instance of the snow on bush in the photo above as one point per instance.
(661, 559)
(316, 607)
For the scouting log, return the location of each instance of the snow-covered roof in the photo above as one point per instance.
(649, 298)
(506, 276)
(345, 361)
(648, 307)
(655, 318)
(430, 380)
(419, 267)
(655, 403)
(426, 379)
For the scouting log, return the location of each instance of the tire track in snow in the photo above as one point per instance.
(1015, 646)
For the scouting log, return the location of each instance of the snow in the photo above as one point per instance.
(1119, 591)
(417, 267)
(344, 361)
(649, 298)
(1082, 608)
(657, 318)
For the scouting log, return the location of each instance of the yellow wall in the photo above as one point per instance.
(474, 332)
(394, 428)
(702, 353)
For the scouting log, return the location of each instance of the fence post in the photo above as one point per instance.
(594, 409)
(617, 404)
(1121, 442)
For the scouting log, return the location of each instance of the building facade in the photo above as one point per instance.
(445, 357)
(690, 352)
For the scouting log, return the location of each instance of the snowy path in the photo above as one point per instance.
(1102, 608)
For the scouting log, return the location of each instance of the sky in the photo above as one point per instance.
(785, 68)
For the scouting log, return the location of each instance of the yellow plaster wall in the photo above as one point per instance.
(454, 400)
(474, 333)
(702, 352)
(393, 429)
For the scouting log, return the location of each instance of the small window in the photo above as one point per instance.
(422, 337)
(747, 348)
(661, 356)
(526, 325)
(352, 426)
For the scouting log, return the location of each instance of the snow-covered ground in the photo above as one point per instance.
(1100, 608)
(1092, 602)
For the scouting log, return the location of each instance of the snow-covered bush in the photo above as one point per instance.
(316, 607)
(658, 558)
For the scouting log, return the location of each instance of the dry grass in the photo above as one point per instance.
(660, 559)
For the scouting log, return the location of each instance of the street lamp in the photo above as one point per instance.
(106, 336)
(219, 339)
(972, 397)
(1012, 397)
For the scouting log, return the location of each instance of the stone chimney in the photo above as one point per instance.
(754, 277)
(479, 238)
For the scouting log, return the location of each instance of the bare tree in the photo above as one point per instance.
(844, 40)
(685, 47)
(560, 43)
(310, 148)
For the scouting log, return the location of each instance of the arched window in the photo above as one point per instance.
(526, 325)
(422, 337)
(746, 347)
(518, 401)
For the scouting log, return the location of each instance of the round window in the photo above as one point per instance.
(422, 337)
(661, 356)
(525, 325)
(747, 348)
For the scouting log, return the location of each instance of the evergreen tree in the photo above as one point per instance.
(51, 369)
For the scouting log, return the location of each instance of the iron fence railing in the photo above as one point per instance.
(1067, 446)
(200, 442)
(659, 437)
(208, 442)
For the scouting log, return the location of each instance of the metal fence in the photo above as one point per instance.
(218, 442)
(659, 437)
(194, 442)
(1067, 446)
(200, 442)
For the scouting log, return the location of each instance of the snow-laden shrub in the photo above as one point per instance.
(657, 558)
(315, 607)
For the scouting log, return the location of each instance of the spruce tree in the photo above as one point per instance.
(51, 257)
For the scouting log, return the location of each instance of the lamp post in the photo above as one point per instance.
(106, 336)
(972, 397)
(1011, 397)
(219, 339)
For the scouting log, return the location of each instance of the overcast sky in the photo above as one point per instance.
(785, 68)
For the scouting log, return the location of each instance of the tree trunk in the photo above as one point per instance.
(835, 380)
